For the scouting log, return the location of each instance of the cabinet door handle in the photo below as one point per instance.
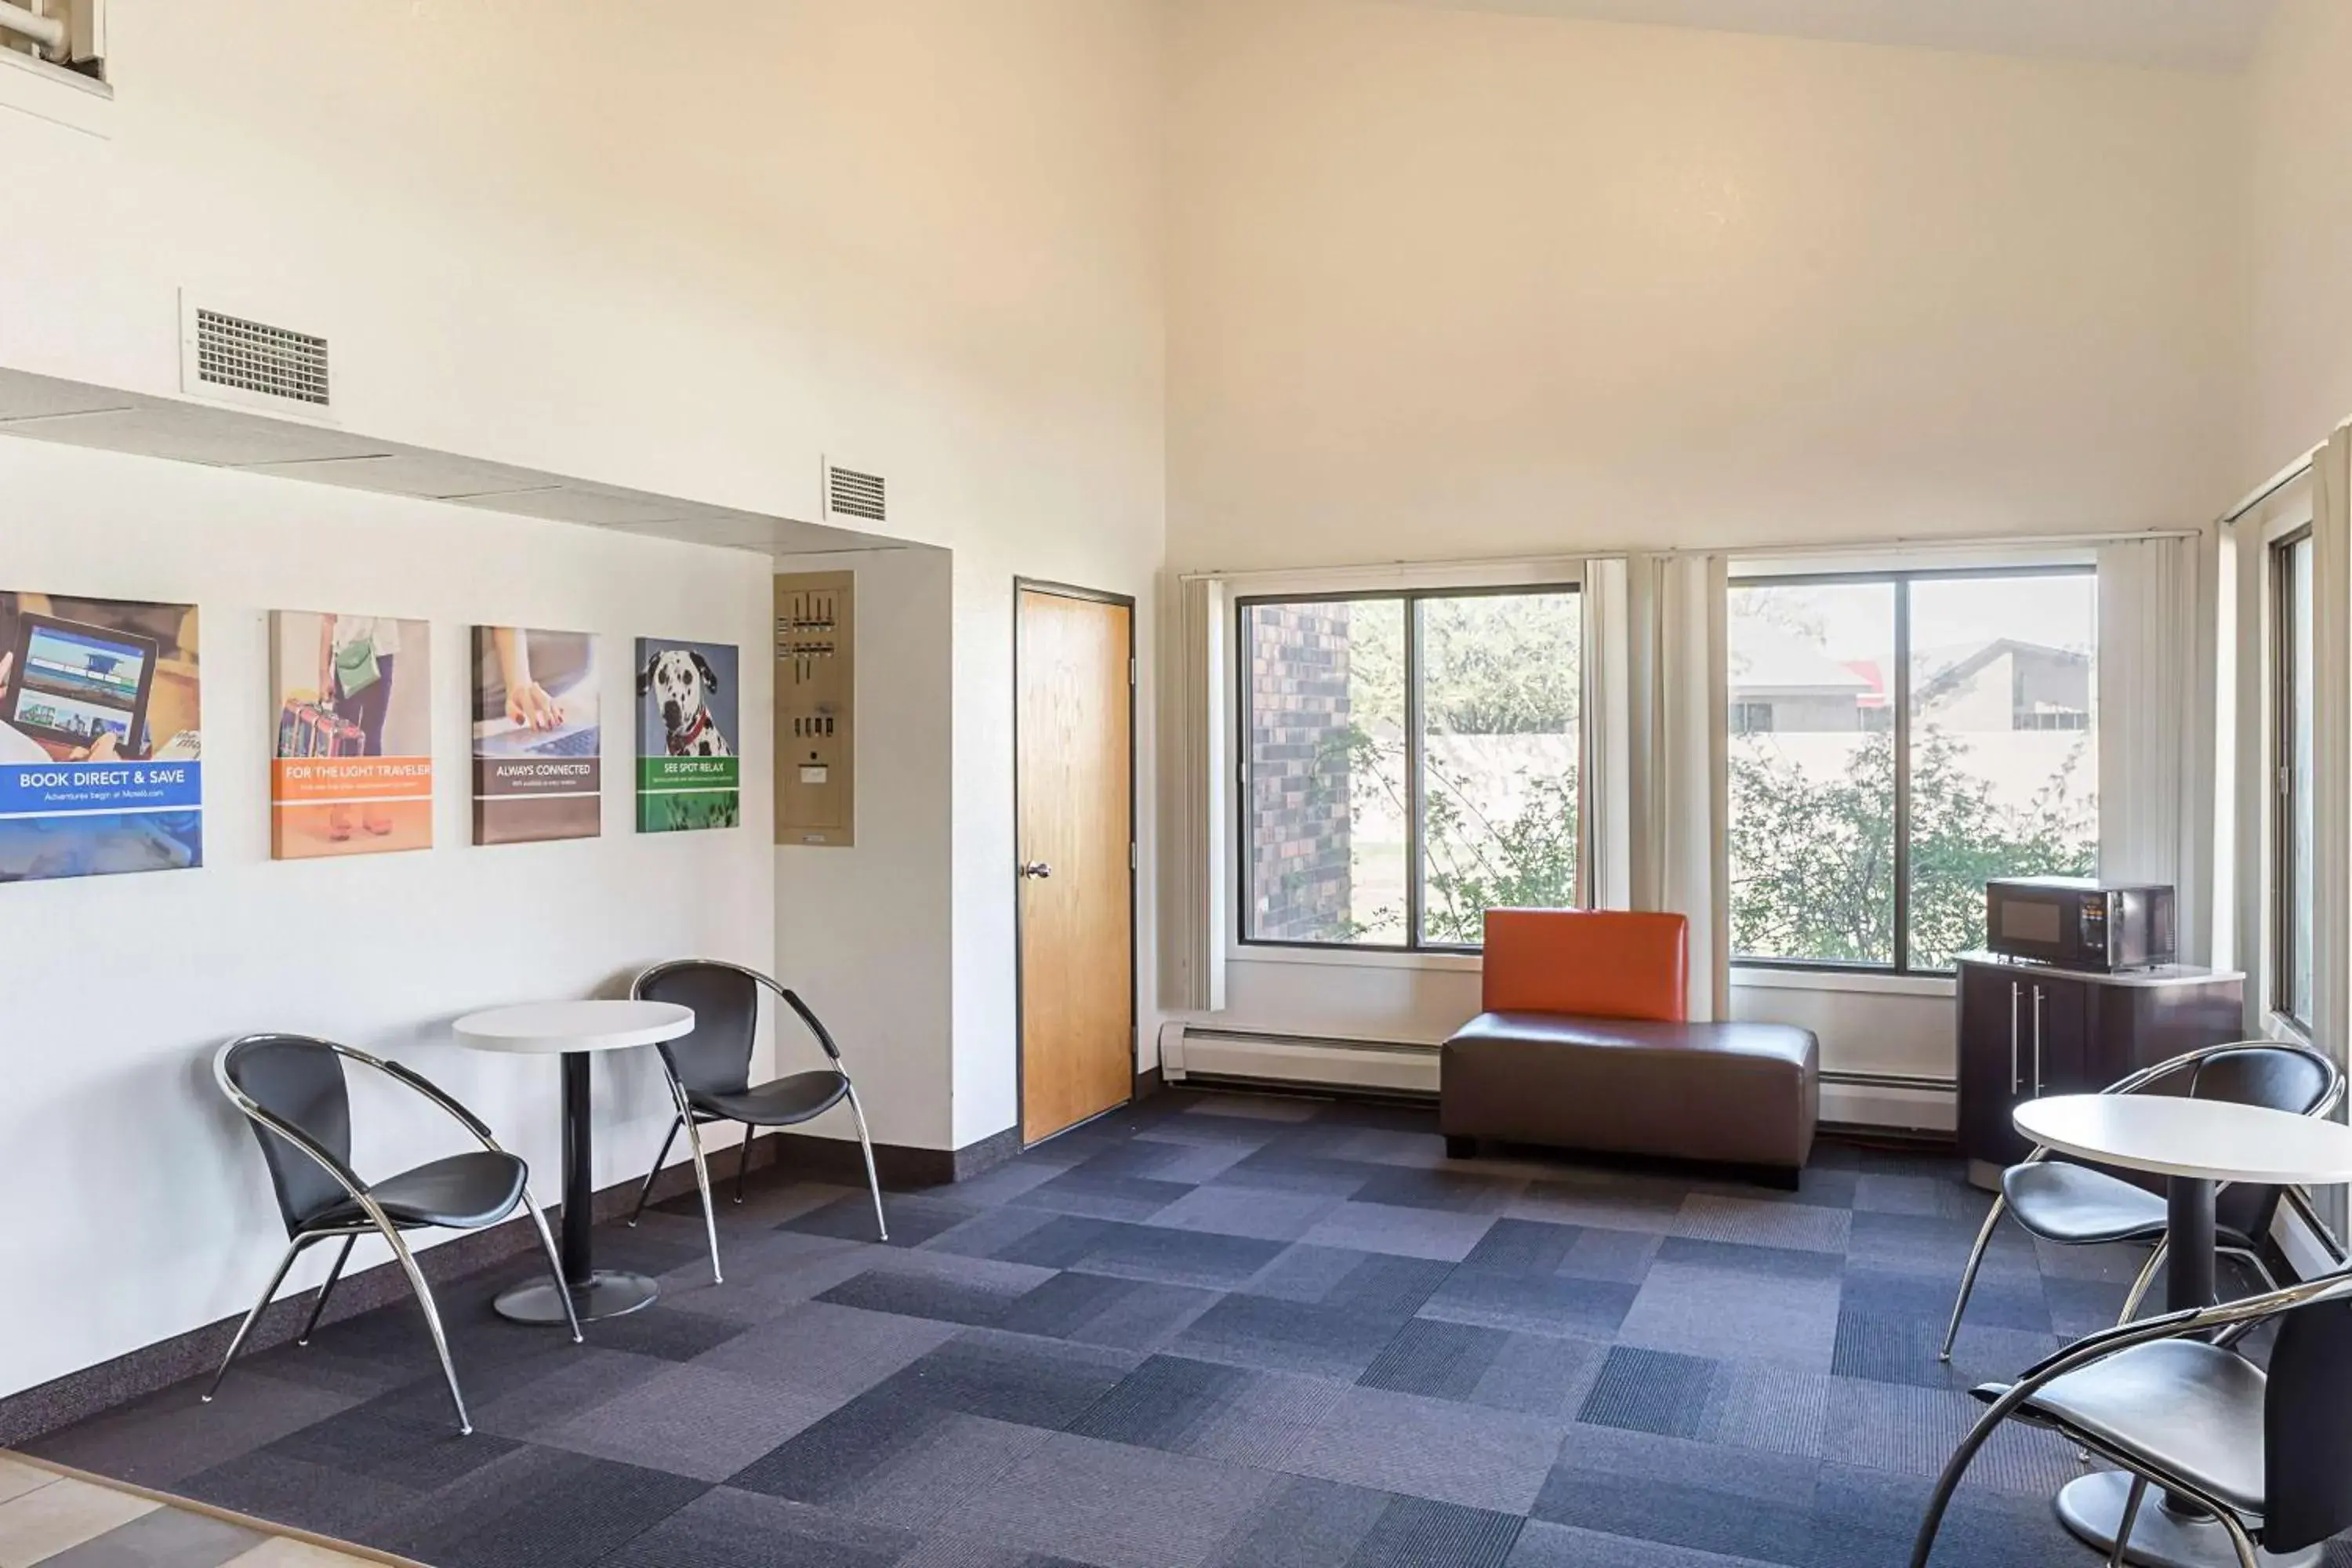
(2037, 1042)
(2015, 992)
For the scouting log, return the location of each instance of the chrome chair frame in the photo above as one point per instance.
(377, 1221)
(2132, 1084)
(693, 1120)
(2228, 1323)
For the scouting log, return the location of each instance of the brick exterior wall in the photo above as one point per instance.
(1298, 816)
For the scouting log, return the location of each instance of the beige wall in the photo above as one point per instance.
(2298, 219)
(1451, 284)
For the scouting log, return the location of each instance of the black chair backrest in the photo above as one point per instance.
(2307, 1428)
(716, 1057)
(2276, 1077)
(298, 1081)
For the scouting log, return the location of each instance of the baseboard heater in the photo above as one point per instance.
(1223, 1054)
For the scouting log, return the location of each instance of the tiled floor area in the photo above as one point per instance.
(1256, 1332)
(58, 1522)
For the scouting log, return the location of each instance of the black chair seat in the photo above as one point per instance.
(2078, 1205)
(2189, 1408)
(463, 1192)
(803, 1097)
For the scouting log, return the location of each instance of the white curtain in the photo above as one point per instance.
(1195, 909)
(1676, 680)
(2152, 730)
(1608, 735)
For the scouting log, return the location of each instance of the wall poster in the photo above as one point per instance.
(537, 771)
(688, 777)
(100, 740)
(353, 772)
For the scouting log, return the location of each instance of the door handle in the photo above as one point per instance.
(2016, 996)
(2037, 1042)
(1036, 870)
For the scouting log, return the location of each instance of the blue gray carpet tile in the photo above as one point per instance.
(1215, 1329)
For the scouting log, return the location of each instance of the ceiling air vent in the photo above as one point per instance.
(848, 493)
(238, 355)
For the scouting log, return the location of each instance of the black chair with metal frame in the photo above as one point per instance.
(2264, 1454)
(709, 1073)
(291, 1090)
(2077, 1206)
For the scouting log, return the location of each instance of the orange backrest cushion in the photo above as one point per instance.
(1591, 964)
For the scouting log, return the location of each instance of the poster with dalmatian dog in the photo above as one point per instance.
(688, 777)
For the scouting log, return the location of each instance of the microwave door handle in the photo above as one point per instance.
(2016, 992)
(2037, 1042)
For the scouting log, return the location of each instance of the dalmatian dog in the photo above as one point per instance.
(682, 682)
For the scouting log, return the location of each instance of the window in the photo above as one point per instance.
(2295, 828)
(1412, 761)
(67, 33)
(1931, 731)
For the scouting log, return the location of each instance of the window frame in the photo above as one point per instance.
(1899, 700)
(1244, 858)
(2285, 887)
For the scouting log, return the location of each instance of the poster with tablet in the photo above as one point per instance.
(688, 775)
(352, 770)
(538, 740)
(100, 737)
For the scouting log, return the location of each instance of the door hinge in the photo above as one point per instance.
(1130, 670)
(1131, 854)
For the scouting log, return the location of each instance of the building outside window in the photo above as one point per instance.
(1411, 760)
(1931, 731)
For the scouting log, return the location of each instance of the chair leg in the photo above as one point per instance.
(2131, 1517)
(647, 1190)
(2147, 1272)
(2252, 1261)
(2240, 1543)
(742, 1162)
(423, 1294)
(1968, 1275)
(873, 1177)
(554, 1263)
(320, 1306)
(1955, 1468)
(702, 1181)
(293, 1250)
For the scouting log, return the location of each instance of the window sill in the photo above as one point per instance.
(1352, 958)
(1943, 985)
(55, 94)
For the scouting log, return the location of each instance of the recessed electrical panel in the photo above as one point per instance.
(815, 685)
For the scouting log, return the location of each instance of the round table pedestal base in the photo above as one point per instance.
(2093, 1508)
(609, 1293)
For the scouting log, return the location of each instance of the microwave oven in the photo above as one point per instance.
(2074, 922)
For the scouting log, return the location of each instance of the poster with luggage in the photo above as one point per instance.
(100, 743)
(353, 771)
(537, 736)
(688, 777)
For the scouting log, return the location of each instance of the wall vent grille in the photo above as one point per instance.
(255, 357)
(848, 493)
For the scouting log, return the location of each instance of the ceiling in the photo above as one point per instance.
(2194, 35)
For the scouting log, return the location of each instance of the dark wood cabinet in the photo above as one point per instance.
(2026, 1030)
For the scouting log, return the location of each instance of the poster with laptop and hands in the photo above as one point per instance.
(100, 744)
(538, 743)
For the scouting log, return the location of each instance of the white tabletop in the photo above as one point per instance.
(2175, 1136)
(548, 1027)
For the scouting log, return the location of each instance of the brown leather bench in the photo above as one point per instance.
(1584, 1044)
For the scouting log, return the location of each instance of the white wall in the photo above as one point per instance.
(864, 932)
(138, 1198)
(917, 235)
(1446, 284)
(2298, 219)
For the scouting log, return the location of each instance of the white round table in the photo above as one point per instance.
(574, 1030)
(2194, 1144)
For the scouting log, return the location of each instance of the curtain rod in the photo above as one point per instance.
(2274, 484)
(1611, 552)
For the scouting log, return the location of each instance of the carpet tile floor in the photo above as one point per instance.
(1214, 1332)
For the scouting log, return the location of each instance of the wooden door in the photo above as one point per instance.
(1074, 765)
